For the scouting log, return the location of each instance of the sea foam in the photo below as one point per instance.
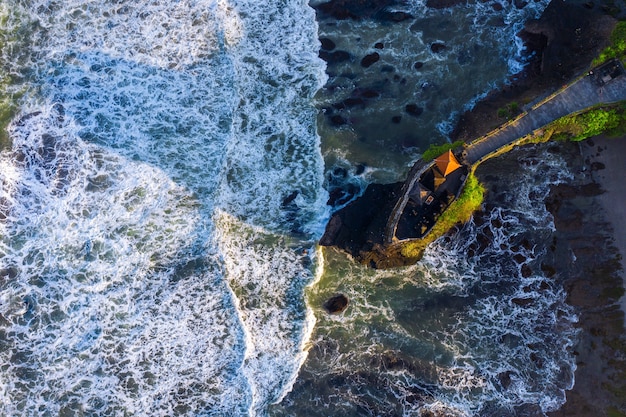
(150, 262)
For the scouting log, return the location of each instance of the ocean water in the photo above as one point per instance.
(163, 184)
(477, 328)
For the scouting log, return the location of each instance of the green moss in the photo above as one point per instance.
(460, 211)
(610, 120)
(434, 151)
(617, 49)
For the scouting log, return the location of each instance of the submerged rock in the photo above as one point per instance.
(327, 44)
(414, 110)
(338, 120)
(438, 47)
(443, 4)
(370, 59)
(336, 304)
(354, 9)
(334, 57)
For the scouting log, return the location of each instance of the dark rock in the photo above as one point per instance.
(520, 4)
(396, 119)
(358, 227)
(505, 379)
(379, 45)
(443, 4)
(395, 16)
(334, 57)
(290, 198)
(338, 120)
(596, 166)
(437, 47)
(589, 5)
(354, 9)
(353, 101)
(519, 258)
(418, 65)
(360, 168)
(414, 110)
(538, 361)
(341, 195)
(365, 93)
(370, 59)
(497, 7)
(548, 270)
(336, 304)
(340, 172)
(526, 271)
(327, 44)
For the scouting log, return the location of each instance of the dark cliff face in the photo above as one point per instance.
(560, 45)
(359, 227)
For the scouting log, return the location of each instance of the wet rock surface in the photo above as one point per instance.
(359, 226)
(559, 45)
(584, 258)
(336, 304)
(370, 59)
(357, 9)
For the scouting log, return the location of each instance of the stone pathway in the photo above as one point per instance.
(576, 97)
(579, 95)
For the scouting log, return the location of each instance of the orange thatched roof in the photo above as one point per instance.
(447, 163)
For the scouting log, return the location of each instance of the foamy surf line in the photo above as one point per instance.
(159, 206)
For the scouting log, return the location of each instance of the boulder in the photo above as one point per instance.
(336, 304)
(327, 44)
(414, 110)
(443, 4)
(437, 47)
(370, 59)
(338, 120)
(334, 57)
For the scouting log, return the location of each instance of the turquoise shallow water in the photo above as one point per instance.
(164, 188)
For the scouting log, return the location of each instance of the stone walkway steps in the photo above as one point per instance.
(578, 96)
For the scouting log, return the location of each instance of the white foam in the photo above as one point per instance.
(154, 269)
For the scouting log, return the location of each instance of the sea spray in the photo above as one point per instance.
(474, 329)
(160, 203)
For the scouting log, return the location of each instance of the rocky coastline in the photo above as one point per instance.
(586, 260)
(560, 45)
(583, 254)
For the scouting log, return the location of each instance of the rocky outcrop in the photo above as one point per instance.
(355, 9)
(559, 45)
(370, 59)
(358, 229)
(336, 304)
(437, 47)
